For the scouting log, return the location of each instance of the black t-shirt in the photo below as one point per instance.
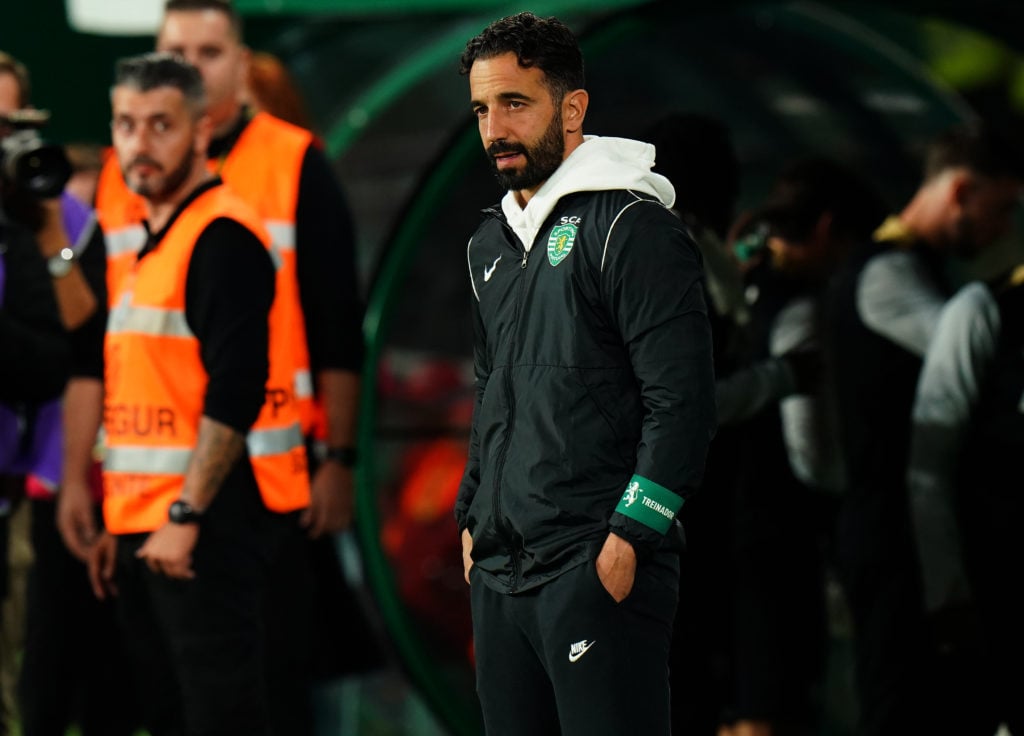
(228, 292)
(34, 348)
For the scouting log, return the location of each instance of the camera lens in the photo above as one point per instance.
(42, 172)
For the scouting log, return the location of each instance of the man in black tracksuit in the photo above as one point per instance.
(595, 403)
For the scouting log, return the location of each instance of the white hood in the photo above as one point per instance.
(597, 164)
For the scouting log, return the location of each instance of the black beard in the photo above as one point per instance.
(542, 160)
(172, 183)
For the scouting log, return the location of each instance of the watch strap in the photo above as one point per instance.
(182, 512)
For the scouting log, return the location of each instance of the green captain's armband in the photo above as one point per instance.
(650, 504)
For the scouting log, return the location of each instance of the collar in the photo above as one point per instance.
(1016, 277)
(894, 231)
(153, 239)
(221, 146)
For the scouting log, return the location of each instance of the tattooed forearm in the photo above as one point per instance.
(218, 448)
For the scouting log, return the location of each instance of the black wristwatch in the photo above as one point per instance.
(345, 456)
(181, 512)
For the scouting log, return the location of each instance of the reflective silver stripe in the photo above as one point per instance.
(281, 233)
(148, 460)
(303, 384)
(148, 321)
(263, 442)
(275, 257)
(125, 240)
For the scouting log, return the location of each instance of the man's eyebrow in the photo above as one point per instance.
(515, 96)
(504, 96)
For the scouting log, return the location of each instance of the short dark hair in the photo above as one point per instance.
(978, 148)
(221, 6)
(809, 187)
(544, 43)
(10, 65)
(160, 69)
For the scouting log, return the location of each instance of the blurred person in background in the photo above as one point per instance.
(34, 353)
(968, 435)
(69, 668)
(204, 470)
(790, 472)
(270, 88)
(594, 402)
(279, 170)
(887, 301)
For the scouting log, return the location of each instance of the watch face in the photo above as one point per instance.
(60, 264)
(181, 513)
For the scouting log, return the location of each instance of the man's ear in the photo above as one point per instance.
(574, 109)
(961, 185)
(244, 62)
(204, 134)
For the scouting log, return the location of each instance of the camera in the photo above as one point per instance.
(28, 164)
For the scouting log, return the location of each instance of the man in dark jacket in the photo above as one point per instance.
(595, 403)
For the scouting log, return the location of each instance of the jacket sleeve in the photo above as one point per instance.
(956, 365)
(228, 293)
(652, 283)
(326, 269)
(471, 476)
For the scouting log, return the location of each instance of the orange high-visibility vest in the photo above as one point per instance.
(155, 385)
(263, 168)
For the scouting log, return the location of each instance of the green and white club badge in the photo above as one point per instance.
(560, 242)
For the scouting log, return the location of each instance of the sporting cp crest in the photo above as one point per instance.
(632, 494)
(560, 242)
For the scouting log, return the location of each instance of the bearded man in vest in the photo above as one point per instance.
(204, 470)
(281, 172)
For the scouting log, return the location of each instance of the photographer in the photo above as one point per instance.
(34, 356)
(51, 237)
(32, 177)
(33, 367)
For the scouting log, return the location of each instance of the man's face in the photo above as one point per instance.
(520, 125)
(10, 99)
(205, 40)
(10, 94)
(985, 213)
(157, 140)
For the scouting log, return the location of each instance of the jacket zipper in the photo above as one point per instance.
(510, 397)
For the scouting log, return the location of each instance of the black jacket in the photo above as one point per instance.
(593, 366)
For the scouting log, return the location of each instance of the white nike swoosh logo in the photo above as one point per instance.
(584, 650)
(489, 271)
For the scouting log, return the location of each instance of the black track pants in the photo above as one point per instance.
(564, 658)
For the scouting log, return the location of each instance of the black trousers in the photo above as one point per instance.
(779, 612)
(990, 518)
(73, 669)
(565, 658)
(288, 605)
(197, 646)
(903, 685)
